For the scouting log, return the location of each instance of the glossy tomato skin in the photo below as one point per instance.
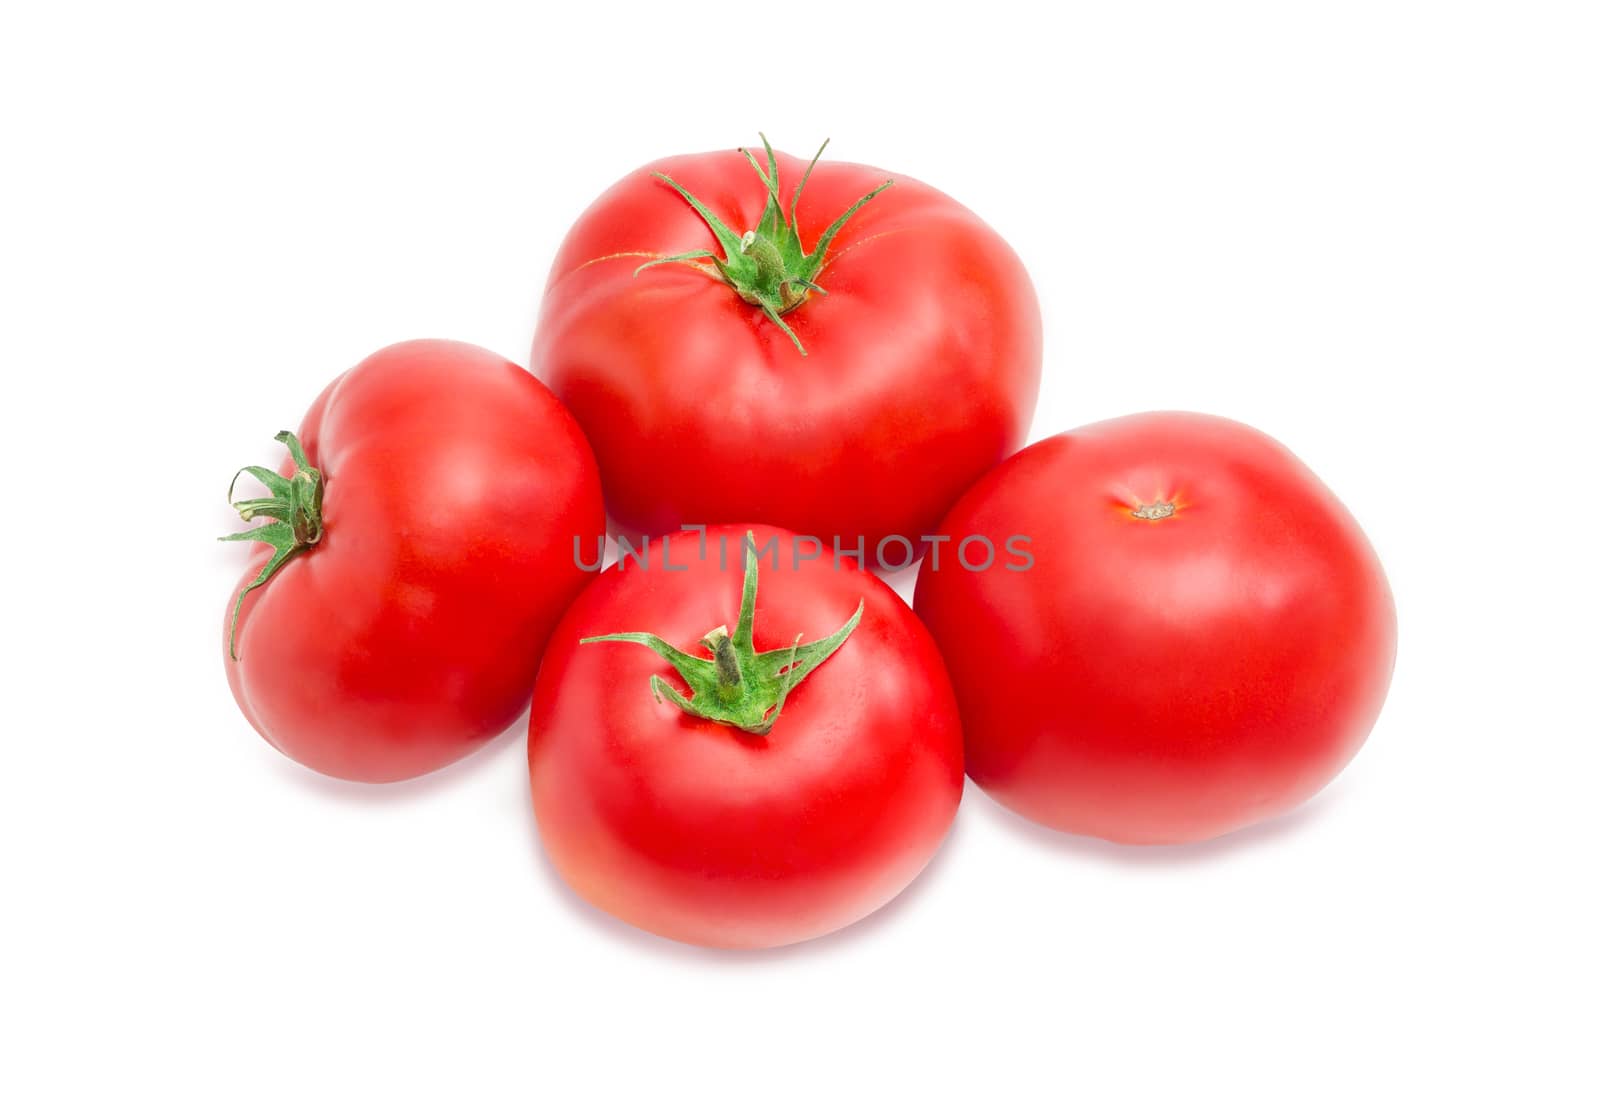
(410, 634)
(921, 373)
(1153, 679)
(715, 836)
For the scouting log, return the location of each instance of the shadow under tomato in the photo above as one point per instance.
(1239, 842)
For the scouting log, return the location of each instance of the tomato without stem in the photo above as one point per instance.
(1203, 641)
(422, 550)
(846, 384)
(787, 779)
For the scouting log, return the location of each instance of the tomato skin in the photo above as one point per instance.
(410, 634)
(1162, 681)
(715, 836)
(921, 373)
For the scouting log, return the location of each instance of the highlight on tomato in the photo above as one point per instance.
(820, 346)
(740, 740)
(1203, 640)
(414, 552)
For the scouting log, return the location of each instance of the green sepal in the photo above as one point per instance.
(767, 266)
(737, 686)
(293, 509)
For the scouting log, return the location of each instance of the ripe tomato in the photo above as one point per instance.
(726, 801)
(847, 381)
(421, 553)
(1203, 641)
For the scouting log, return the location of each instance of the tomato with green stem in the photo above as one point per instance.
(828, 352)
(748, 787)
(414, 552)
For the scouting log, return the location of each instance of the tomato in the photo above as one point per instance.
(419, 553)
(725, 800)
(848, 385)
(1202, 641)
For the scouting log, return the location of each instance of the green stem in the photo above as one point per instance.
(737, 686)
(293, 511)
(767, 266)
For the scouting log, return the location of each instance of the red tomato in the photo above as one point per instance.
(1203, 640)
(919, 367)
(404, 627)
(742, 807)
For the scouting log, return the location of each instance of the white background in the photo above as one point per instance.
(1371, 229)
